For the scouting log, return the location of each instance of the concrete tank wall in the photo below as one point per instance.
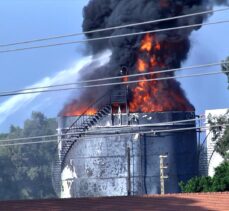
(98, 166)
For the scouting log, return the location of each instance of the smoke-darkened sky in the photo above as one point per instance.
(174, 48)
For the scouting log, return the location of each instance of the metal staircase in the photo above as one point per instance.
(77, 131)
(71, 135)
(81, 126)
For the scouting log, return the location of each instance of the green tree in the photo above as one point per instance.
(220, 181)
(197, 184)
(221, 178)
(26, 169)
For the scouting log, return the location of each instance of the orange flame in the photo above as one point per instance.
(154, 95)
(142, 65)
(158, 46)
(153, 60)
(72, 110)
(146, 44)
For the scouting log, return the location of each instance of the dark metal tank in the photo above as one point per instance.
(99, 165)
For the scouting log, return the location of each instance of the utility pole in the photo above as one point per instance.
(128, 172)
(162, 174)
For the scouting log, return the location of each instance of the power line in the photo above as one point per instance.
(121, 134)
(143, 125)
(146, 125)
(28, 143)
(114, 36)
(154, 131)
(121, 129)
(29, 138)
(113, 28)
(113, 84)
(118, 77)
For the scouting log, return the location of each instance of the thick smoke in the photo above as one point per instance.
(175, 44)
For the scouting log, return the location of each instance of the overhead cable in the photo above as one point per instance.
(129, 126)
(29, 138)
(113, 28)
(154, 132)
(113, 36)
(118, 77)
(113, 84)
(145, 125)
(27, 143)
(108, 127)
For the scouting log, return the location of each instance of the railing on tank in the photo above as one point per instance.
(95, 105)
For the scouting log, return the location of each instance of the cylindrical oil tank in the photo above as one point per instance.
(118, 165)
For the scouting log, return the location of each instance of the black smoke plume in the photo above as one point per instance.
(99, 14)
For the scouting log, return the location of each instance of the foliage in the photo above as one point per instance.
(223, 143)
(225, 68)
(26, 169)
(197, 184)
(220, 134)
(221, 177)
(220, 181)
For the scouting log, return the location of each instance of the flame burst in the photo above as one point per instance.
(147, 43)
(142, 65)
(155, 95)
(73, 109)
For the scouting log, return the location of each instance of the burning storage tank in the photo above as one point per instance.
(110, 162)
(113, 147)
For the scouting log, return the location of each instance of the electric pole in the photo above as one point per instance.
(162, 173)
(128, 172)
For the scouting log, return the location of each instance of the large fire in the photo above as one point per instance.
(155, 95)
(146, 96)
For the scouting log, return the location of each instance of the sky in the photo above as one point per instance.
(32, 19)
(25, 20)
(210, 44)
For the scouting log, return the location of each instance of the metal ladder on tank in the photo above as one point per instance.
(72, 134)
(83, 124)
(77, 131)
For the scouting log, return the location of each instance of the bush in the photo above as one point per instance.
(219, 183)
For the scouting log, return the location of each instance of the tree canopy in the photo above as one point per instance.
(26, 169)
(218, 183)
